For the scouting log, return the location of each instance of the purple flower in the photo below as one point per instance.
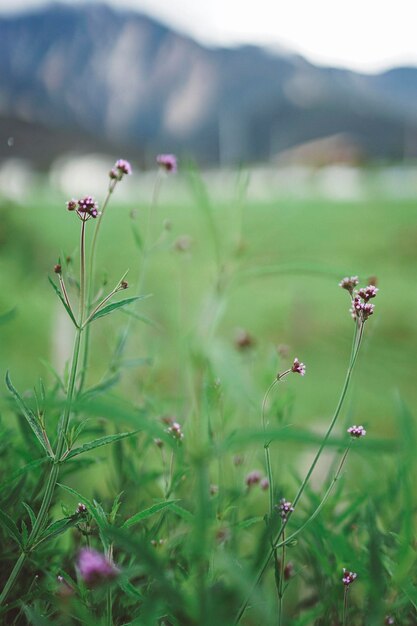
(175, 431)
(356, 431)
(168, 162)
(285, 508)
(389, 620)
(120, 169)
(349, 283)
(95, 568)
(253, 478)
(298, 368)
(72, 205)
(348, 577)
(366, 293)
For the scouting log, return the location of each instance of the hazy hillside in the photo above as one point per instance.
(127, 80)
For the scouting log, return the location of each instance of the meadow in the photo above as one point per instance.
(181, 495)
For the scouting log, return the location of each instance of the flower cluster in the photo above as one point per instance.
(175, 430)
(284, 508)
(255, 478)
(348, 577)
(298, 368)
(81, 509)
(356, 431)
(85, 207)
(95, 568)
(349, 283)
(361, 307)
(120, 169)
(167, 162)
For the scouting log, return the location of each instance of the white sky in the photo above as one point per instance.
(366, 35)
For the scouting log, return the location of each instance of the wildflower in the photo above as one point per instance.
(168, 162)
(264, 484)
(175, 431)
(158, 442)
(348, 577)
(349, 283)
(366, 293)
(356, 431)
(253, 478)
(298, 368)
(284, 508)
(124, 284)
(86, 207)
(389, 620)
(120, 169)
(95, 567)
(58, 268)
(81, 508)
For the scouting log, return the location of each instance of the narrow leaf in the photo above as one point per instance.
(181, 512)
(156, 508)
(28, 414)
(106, 310)
(97, 443)
(58, 527)
(10, 527)
(31, 513)
(61, 297)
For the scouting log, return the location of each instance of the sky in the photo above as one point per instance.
(364, 35)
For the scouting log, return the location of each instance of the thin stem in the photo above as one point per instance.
(91, 271)
(281, 582)
(65, 293)
(267, 451)
(345, 604)
(357, 340)
(82, 274)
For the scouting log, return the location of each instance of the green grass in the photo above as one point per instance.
(278, 280)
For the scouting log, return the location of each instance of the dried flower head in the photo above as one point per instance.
(348, 577)
(284, 508)
(253, 478)
(95, 568)
(72, 204)
(298, 368)
(124, 284)
(167, 162)
(356, 431)
(158, 442)
(58, 268)
(349, 283)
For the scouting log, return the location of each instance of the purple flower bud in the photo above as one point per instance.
(298, 368)
(175, 431)
(95, 568)
(348, 577)
(121, 168)
(366, 293)
(81, 508)
(264, 484)
(356, 431)
(71, 205)
(253, 478)
(168, 162)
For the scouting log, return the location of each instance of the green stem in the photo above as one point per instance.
(267, 452)
(357, 340)
(62, 436)
(345, 602)
(91, 269)
(281, 582)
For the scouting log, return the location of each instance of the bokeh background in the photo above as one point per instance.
(304, 128)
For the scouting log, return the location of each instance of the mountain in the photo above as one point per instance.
(93, 74)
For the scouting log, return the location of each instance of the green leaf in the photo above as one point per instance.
(139, 517)
(31, 513)
(28, 414)
(106, 310)
(97, 443)
(181, 512)
(57, 528)
(11, 528)
(246, 523)
(61, 297)
(94, 509)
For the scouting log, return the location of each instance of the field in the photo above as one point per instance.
(236, 289)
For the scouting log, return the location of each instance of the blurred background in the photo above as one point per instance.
(303, 121)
